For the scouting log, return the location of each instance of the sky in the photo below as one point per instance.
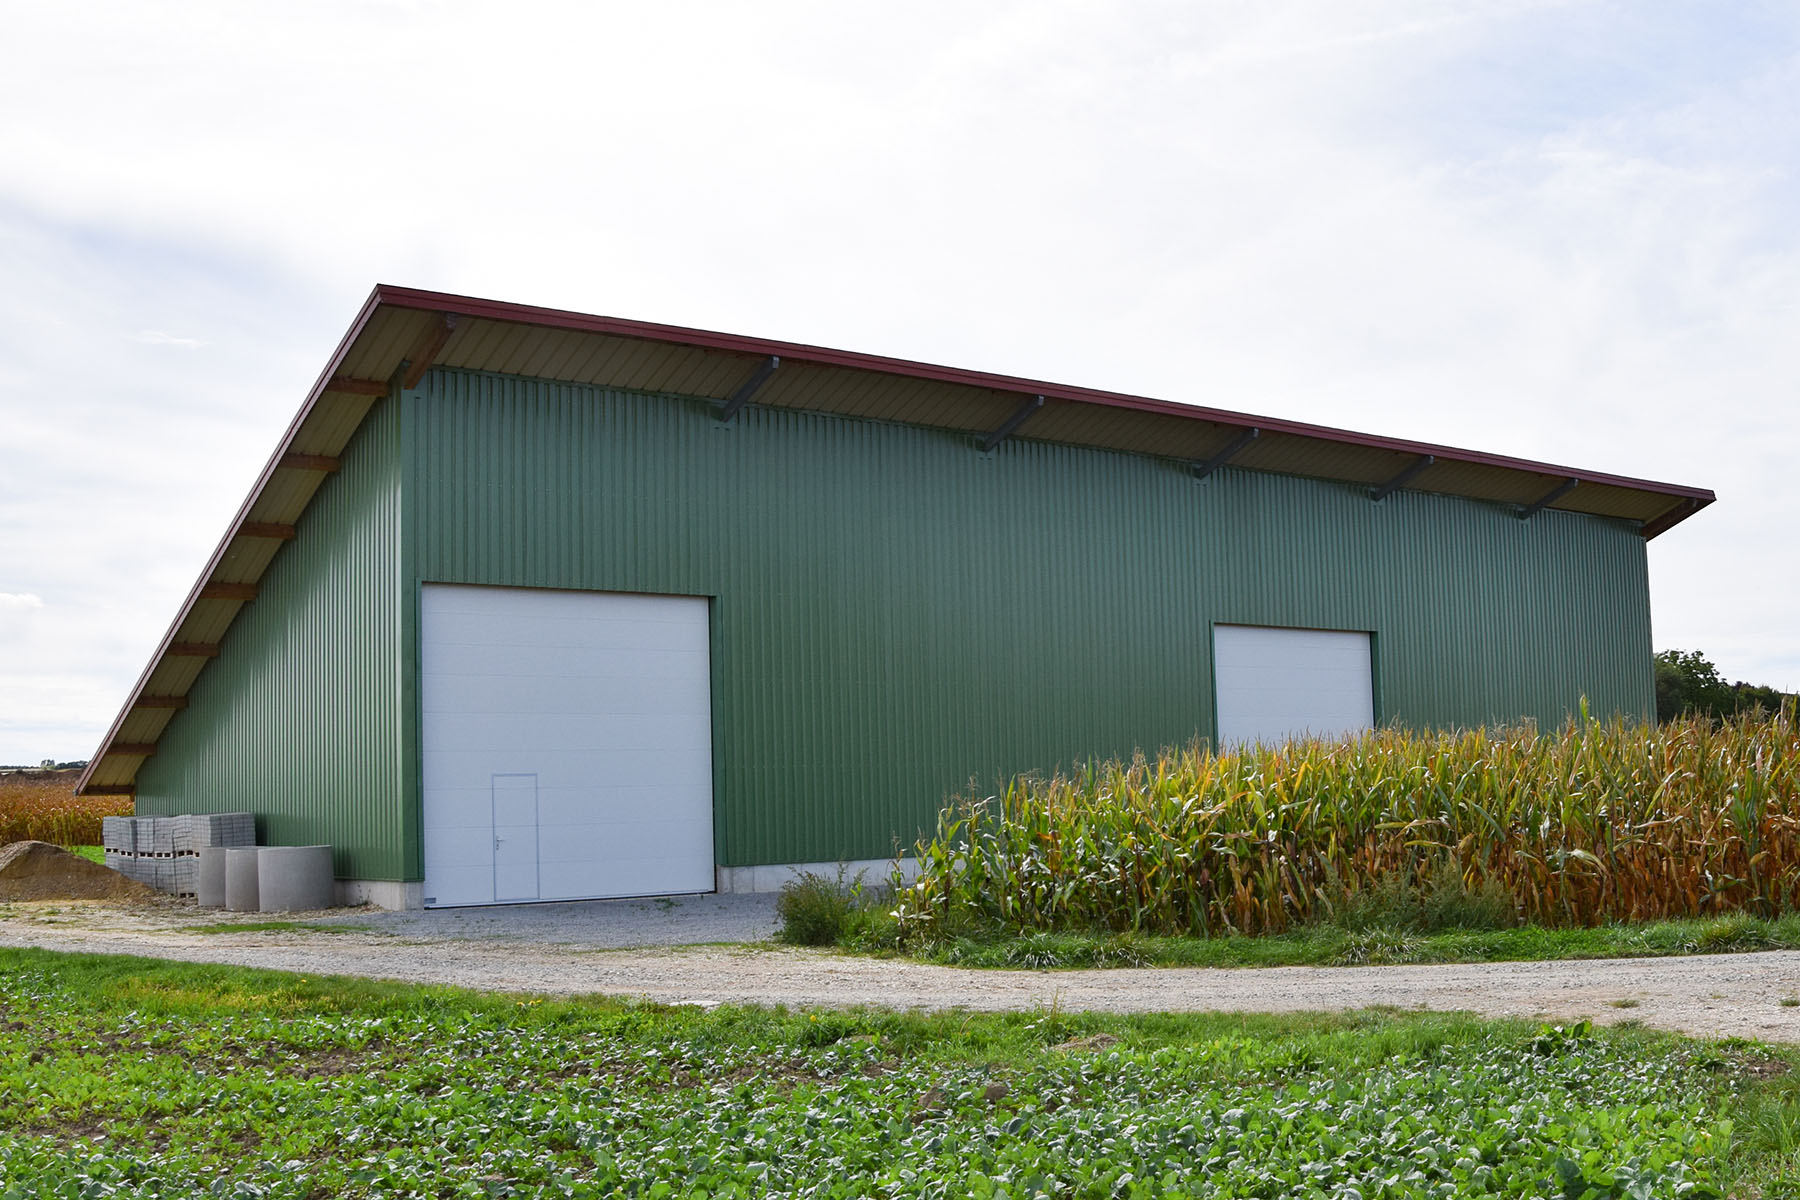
(1561, 231)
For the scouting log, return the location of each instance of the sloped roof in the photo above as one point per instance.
(402, 332)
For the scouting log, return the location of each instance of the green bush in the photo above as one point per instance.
(871, 927)
(818, 910)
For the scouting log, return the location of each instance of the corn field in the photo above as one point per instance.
(1591, 823)
(42, 806)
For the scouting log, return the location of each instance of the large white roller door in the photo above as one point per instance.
(1275, 684)
(567, 741)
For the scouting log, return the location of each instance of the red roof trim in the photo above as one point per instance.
(212, 564)
(527, 314)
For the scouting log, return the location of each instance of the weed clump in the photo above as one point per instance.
(830, 910)
(1437, 898)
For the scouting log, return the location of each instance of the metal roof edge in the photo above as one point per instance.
(527, 314)
(212, 564)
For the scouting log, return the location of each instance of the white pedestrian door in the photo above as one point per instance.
(515, 837)
(1274, 684)
(566, 744)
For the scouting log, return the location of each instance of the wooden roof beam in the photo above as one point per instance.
(193, 650)
(135, 749)
(419, 359)
(110, 789)
(228, 591)
(377, 388)
(160, 702)
(309, 462)
(1672, 517)
(266, 529)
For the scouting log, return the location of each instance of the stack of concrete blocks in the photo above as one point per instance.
(164, 852)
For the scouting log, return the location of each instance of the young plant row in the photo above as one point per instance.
(1594, 822)
(126, 1077)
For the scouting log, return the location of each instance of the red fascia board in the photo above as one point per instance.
(369, 308)
(526, 314)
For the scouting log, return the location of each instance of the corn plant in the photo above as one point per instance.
(1596, 821)
(42, 806)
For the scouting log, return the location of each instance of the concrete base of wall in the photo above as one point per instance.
(382, 893)
(770, 878)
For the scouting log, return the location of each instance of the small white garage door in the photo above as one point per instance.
(1276, 684)
(567, 742)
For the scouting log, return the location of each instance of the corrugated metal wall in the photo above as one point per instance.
(299, 719)
(897, 614)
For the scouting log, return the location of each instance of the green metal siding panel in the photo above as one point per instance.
(897, 614)
(299, 718)
(411, 798)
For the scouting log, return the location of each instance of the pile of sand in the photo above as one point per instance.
(40, 871)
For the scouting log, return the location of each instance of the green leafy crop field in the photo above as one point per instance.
(132, 1078)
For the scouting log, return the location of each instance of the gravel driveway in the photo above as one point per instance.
(630, 948)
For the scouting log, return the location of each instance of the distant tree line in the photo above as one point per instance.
(1687, 683)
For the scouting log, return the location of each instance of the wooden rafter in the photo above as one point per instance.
(110, 789)
(228, 591)
(160, 702)
(357, 387)
(135, 749)
(1670, 518)
(422, 355)
(309, 462)
(265, 529)
(193, 650)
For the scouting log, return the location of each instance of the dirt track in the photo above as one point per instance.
(1729, 994)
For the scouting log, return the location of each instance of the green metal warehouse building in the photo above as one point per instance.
(534, 605)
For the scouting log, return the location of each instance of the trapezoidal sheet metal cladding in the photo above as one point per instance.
(897, 614)
(299, 718)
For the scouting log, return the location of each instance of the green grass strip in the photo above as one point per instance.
(1332, 946)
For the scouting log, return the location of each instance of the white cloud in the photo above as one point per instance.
(1559, 230)
(156, 337)
(19, 601)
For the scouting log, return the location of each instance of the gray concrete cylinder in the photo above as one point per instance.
(240, 879)
(294, 878)
(209, 883)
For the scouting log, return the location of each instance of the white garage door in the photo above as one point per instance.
(567, 745)
(1276, 684)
